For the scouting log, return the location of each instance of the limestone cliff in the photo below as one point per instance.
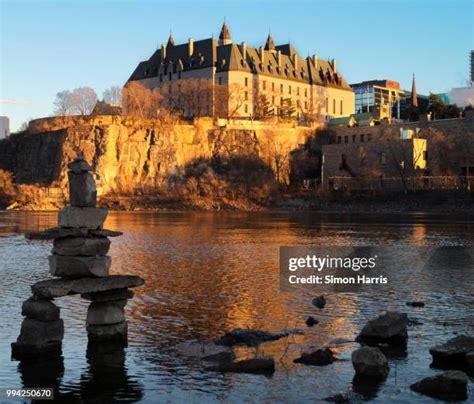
(134, 157)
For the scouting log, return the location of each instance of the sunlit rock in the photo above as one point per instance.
(91, 218)
(82, 189)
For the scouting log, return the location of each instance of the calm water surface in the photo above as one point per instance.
(207, 273)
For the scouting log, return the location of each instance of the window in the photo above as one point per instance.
(354, 138)
(341, 107)
(346, 139)
(170, 75)
(264, 85)
(334, 106)
(246, 82)
(362, 138)
(327, 105)
(298, 104)
(273, 86)
(369, 137)
(305, 92)
(306, 105)
(339, 139)
(289, 89)
(246, 95)
(281, 88)
(246, 108)
(161, 78)
(273, 99)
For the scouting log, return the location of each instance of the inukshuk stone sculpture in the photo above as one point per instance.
(79, 259)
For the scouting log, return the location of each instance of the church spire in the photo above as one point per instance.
(269, 45)
(170, 40)
(414, 98)
(224, 36)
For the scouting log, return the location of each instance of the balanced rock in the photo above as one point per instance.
(107, 333)
(370, 362)
(34, 332)
(102, 313)
(82, 190)
(320, 357)
(390, 328)
(265, 365)
(40, 309)
(81, 246)
(105, 233)
(109, 295)
(78, 267)
(248, 337)
(61, 287)
(453, 352)
(48, 350)
(79, 165)
(450, 385)
(91, 218)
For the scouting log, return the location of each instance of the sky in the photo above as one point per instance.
(50, 46)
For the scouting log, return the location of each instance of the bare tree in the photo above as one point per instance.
(140, 101)
(113, 96)
(62, 103)
(82, 100)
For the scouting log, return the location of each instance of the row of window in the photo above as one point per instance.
(362, 138)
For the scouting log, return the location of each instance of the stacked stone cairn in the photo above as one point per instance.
(80, 263)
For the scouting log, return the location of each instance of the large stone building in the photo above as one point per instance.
(269, 80)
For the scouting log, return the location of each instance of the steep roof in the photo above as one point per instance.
(283, 62)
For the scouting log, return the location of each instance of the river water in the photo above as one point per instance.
(207, 273)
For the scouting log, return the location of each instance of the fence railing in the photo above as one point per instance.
(402, 183)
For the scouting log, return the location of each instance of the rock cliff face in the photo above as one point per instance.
(134, 156)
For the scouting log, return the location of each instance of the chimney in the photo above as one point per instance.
(295, 62)
(243, 48)
(163, 51)
(190, 46)
(334, 65)
(315, 61)
(279, 57)
(262, 54)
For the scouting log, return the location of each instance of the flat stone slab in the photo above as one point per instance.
(453, 352)
(103, 313)
(450, 385)
(62, 287)
(22, 351)
(390, 328)
(91, 218)
(79, 267)
(81, 246)
(40, 309)
(82, 190)
(263, 365)
(109, 295)
(60, 232)
(107, 333)
(248, 337)
(34, 332)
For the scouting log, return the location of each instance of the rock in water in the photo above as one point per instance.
(320, 357)
(78, 267)
(81, 246)
(38, 333)
(248, 337)
(40, 309)
(453, 352)
(319, 302)
(109, 295)
(107, 333)
(370, 362)
(82, 190)
(220, 357)
(389, 328)
(62, 287)
(263, 365)
(416, 304)
(91, 218)
(79, 166)
(450, 385)
(103, 313)
(59, 232)
(310, 321)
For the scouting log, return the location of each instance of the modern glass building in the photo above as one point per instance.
(383, 96)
